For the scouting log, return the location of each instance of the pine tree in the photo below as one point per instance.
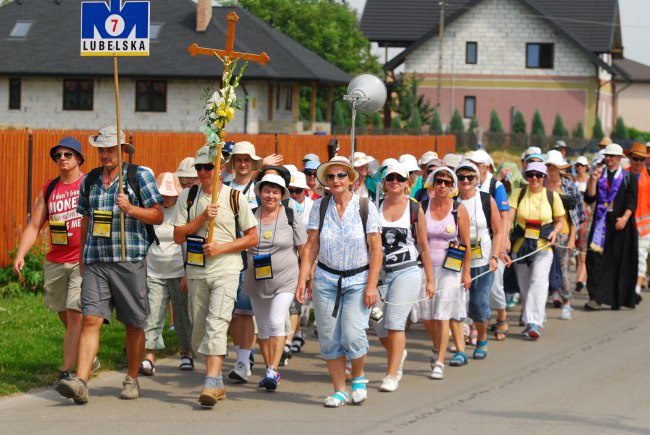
(519, 123)
(338, 118)
(495, 123)
(597, 132)
(620, 130)
(360, 120)
(395, 123)
(456, 123)
(558, 127)
(579, 132)
(537, 126)
(436, 125)
(473, 124)
(376, 120)
(415, 123)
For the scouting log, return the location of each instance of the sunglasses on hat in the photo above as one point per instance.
(204, 166)
(393, 177)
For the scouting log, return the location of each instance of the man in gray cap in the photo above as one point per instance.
(109, 281)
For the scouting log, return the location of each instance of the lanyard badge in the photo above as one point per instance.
(195, 255)
(58, 233)
(533, 229)
(477, 251)
(455, 256)
(102, 224)
(262, 266)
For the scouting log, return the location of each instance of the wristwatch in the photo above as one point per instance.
(494, 257)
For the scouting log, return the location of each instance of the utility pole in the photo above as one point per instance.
(441, 38)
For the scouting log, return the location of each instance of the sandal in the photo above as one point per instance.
(297, 344)
(336, 400)
(473, 337)
(147, 368)
(187, 363)
(481, 350)
(458, 360)
(501, 329)
(359, 390)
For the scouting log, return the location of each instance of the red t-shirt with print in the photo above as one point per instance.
(62, 207)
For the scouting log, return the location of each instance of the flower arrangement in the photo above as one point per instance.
(220, 108)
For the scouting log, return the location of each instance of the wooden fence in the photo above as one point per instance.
(26, 163)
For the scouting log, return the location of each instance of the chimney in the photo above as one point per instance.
(203, 14)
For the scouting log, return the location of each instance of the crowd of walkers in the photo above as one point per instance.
(441, 240)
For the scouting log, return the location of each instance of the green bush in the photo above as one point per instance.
(436, 125)
(415, 123)
(519, 123)
(395, 123)
(637, 135)
(456, 123)
(558, 127)
(597, 132)
(495, 123)
(32, 274)
(579, 132)
(537, 126)
(620, 131)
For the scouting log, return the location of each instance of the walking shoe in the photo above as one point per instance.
(593, 306)
(64, 375)
(286, 354)
(147, 368)
(389, 384)
(400, 369)
(297, 344)
(579, 286)
(130, 389)
(534, 331)
(96, 365)
(526, 331)
(187, 363)
(434, 358)
(239, 373)
(565, 314)
(210, 396)
(271, 380)
(513, 299)
(74, 389)
(555, 299)
(251, 359)
(438, 371)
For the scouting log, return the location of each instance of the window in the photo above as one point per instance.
(469, 107)
(20, 29)
(154, 31)
(14, 94)
(77, 95)
(539, 55)
(288, 103)
(471, 53)
(151, 96)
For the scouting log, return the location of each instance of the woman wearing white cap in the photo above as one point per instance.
(448, 236)
(365, 185)
(272, 273)
(165, 272)
(403, 228)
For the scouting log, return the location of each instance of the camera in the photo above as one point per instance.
(376, 314)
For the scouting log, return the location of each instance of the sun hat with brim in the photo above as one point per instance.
(361, 159)
(311, 165)
(272, 179)
(535, 156)
(435, 162)
(71, 143)
(340, 161)
(452, 160)
(554, 157)
(582, 160)
(168, 184)
(446, 170)
(107, 138)
(638, 149)
(605, 141)
(298, 180)
(560, 144)
(311, 157)
(397, 169)
(186, 168)
(247, 148)
(536, 167)
(427, 157)
(466, 165)
(409, 162)
(613, 149)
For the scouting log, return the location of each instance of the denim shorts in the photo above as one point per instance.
(243, 304)
(346, 333)
(479, 294)
(403, 288)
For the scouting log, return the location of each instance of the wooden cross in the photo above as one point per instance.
(228, 56)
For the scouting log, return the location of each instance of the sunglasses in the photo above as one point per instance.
(440, 182)
(310, 173)
(204, 166)
(534, 174)
(637, 159)
(66, 154)
(296, 191)
(340, 176)
(431, 169)
(609, 156)
(466, 177)
(392, 177)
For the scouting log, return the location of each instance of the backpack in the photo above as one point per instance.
(363, 211)
(493, 186)
(132, 180)
(486, 205)
(48, 192)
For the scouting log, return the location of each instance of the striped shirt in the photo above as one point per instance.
(100, 198)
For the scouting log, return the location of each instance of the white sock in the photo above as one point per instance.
(235, 349)
(243, 354)
(638, 289)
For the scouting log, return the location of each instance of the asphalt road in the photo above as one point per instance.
(587, 375)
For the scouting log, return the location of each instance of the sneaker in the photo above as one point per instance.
(147, 368)
(251, 359)
(210, 396)
(130, 389)
(513, 299)
(74, 389)
(96, 365)
(400, 369)
(565, 314)
(171, 328)
(438, 371)
(286, 354)
(359, 395)
(593, 306)
(526, 331)
(555, 299)
(271, 380)
(389, 384)
(534, 331)
(64, 376)
(239, 373)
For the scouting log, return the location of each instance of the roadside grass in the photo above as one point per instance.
(31, 344)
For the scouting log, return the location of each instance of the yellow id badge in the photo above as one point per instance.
(533, 229)
(455, 256)
(102, 224)
(477, 251)
(59, 233)
(195, 255)
(263, 268)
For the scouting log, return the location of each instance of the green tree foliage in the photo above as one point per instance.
(360, 121)
(415, 122)
(338, 117)
(377, 121)
(396, 122)
(436, 126)
(597, 132)
(456, 123)
(558, 127)
(579, 132)
(620, 130)
(406, 100)
(519, 123)
(495, 122)
(328, 28)
(473, 124)
(537, 126)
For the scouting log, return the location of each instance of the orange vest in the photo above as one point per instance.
(642, 214)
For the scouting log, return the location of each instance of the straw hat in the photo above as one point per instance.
(272, 179)
(605, 141)
(340, 161)
(613, 149)
(638, 149)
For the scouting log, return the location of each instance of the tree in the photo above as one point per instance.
(338, 117)
(396, 122)
(472, 138)
(620, 130)
(473, 124)
(376, 120)
(415, 123)
(537, 126)
(579, 132)
(558, 127)
(436, 126)
(406, 99)
(328, 28)
(519, 123)
(597, 132)
(495, 123)
(360, 120)
(456, 125)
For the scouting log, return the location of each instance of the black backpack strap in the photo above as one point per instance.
(454, 212)
(191, 196)
(415, 214)
(324, 203)
(248, 186)
(234, 205)
(132, 180)
(493, 186)
(91, 178)
(550, 197)
(486, 204)
(48, 192)
(522, 193)
(425, 205)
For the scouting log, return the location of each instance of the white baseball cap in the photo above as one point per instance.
(186, 168)
(397, 168)
(409, 162)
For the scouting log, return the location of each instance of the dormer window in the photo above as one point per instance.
(21, 29)
(154, 31)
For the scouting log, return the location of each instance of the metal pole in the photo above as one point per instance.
(353, 138)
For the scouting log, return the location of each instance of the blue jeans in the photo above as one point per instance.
(403, 289)
(346, 333)
(479, 294)
(243, 304)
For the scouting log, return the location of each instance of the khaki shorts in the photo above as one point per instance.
(62, 286)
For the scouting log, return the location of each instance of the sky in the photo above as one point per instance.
(635, 24)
